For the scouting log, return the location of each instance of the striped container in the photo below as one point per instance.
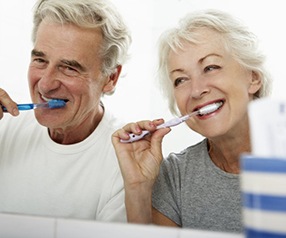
(263, 187)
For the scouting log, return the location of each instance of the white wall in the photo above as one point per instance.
(137, 97)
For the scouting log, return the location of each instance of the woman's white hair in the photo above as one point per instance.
(242, 43)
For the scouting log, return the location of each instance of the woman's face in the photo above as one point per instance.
(205, 73)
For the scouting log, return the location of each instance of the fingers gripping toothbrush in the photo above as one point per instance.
(174, 122)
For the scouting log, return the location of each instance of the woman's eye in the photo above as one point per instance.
(211, 68)
(179, 81)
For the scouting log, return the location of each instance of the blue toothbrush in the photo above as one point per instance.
(54, 103)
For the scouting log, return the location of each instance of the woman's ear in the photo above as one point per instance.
(112, 80)
(255, 83)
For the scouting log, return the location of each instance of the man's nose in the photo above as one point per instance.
(49, 80)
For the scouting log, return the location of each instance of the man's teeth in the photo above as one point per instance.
(46, 99)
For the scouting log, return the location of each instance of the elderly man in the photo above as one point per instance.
(59, 162)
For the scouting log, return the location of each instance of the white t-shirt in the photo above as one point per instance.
(41, 177)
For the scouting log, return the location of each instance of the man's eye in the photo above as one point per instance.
(211, 68)
(69, 68)
(69, 71)
(39, 60)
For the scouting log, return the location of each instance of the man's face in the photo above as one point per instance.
(66, 64)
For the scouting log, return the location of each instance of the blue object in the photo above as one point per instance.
(265, 202)
(54, 103)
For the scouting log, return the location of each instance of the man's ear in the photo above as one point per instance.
(112, 80)
(255, 83)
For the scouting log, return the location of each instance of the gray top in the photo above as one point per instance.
(193, 192)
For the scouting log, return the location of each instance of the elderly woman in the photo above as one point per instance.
(211, 58)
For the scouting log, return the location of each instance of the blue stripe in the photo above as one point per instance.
(252, 233)
(271, 165)
(264, 202)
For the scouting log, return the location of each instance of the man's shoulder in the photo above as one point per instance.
(24, 118)
(112, 121)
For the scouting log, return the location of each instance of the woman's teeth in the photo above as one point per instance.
(210, 108)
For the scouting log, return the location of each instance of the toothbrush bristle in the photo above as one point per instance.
(210, 108)
(56, 103)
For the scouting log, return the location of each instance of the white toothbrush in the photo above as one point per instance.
(175, 121)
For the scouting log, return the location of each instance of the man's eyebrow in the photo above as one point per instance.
(74, 63)
(71, 63)
(37, 53)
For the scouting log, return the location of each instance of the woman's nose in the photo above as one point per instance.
(199, 87)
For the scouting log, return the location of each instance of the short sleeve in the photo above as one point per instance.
(166, 190)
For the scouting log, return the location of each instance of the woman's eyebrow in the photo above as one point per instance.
(209, 56)
(177, 70)
(200, 61)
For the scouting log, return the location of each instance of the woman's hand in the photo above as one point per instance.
(140, 164)
(140, 160)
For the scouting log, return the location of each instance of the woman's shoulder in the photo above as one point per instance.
(198, 150)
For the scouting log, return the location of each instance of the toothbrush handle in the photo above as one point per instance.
(4, 109)
(134, 137)
(24, 107)
(173, 122)
(21, 107)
